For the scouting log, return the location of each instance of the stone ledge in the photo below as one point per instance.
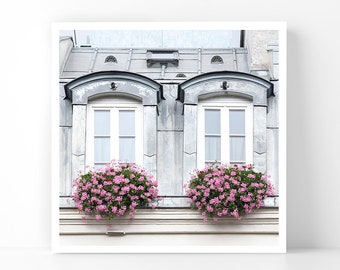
(171, 202)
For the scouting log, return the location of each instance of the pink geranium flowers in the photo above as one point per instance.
(222, 190)
(114, 190)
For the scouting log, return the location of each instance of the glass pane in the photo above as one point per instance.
(101, 122)
(127, 149)
(101, 150)
(209, 164)
(212, 122)
(126, 122)
(99, 166)
(237, 121)
(212, 148)
(237, 149)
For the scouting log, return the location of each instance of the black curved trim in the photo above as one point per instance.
(113, 74)
(223, 75)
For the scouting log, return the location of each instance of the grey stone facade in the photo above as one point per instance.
(169, 94)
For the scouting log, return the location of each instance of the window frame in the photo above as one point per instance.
(225, 105)
(114, 108)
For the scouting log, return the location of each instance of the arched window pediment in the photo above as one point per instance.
(225, 82)
(80, 90)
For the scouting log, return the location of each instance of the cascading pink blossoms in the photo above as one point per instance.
(222, 190)
(114, 190)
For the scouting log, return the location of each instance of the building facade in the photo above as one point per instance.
(171, 111)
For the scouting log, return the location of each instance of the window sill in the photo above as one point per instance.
(182, 202)
(171, 202)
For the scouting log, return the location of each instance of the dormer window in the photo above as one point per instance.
(157, 58)
(181, 75)
(217, 60)
(111, 59)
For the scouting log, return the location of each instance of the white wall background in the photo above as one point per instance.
(313, 120)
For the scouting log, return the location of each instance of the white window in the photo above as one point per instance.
(114, 131)
(225, 132)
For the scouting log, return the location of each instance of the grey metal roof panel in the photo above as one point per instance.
(79, 61)
(191, 62)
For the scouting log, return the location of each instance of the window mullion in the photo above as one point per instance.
(225, 135)
(114, 132)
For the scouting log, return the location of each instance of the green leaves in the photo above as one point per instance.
(222, 190)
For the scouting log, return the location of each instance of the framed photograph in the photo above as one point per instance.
(169, 137)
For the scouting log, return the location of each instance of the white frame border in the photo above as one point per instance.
(224, 107)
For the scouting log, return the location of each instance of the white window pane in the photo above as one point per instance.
(212, 122)
(127, 149)
(126, 122)
(213, 148)
(237, 149)
(101, 122)
(99, 165)
(237, 121)
(101, 150)
(211, 163)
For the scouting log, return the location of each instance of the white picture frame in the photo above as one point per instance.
(186, 246)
